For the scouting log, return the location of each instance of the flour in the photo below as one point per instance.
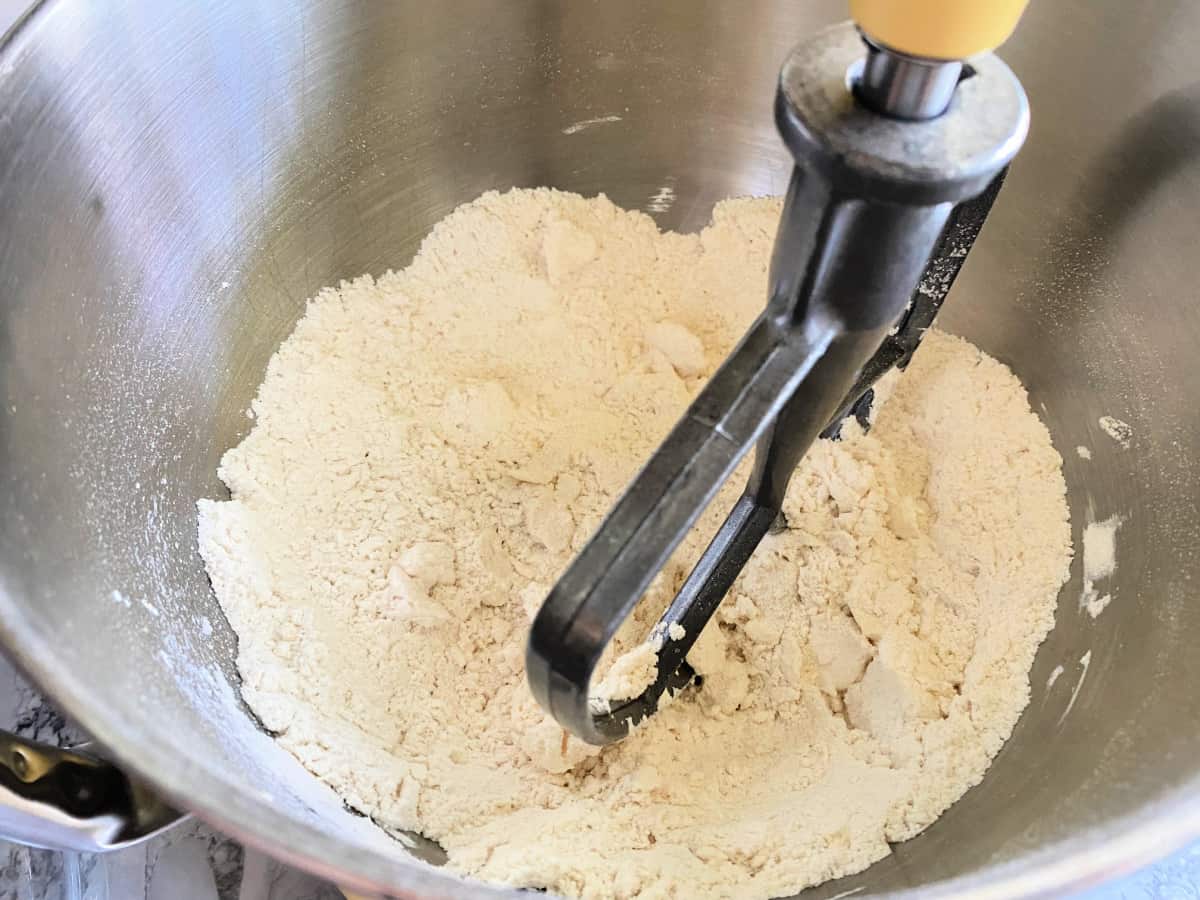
(1099, 563)
(1055, 674)
(1084, 662)
(432, 447)
(1118, 430)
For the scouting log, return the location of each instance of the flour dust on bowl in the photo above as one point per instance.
(176, 184)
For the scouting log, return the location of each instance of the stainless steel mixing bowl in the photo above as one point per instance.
(176, 178)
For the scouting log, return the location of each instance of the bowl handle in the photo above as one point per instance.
(74, 800)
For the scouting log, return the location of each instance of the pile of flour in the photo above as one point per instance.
(431, 448)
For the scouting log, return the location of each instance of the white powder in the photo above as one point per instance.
(1099, 563)
(588, 123)
(1054, 676)
(1119, 431)
(662, 200)
(431, 448)
(1084, 662)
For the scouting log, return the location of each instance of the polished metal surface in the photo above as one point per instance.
(904, 86)
(73, 799)
(835, 295)
(176, 179)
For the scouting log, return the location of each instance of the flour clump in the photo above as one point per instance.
(430, 449)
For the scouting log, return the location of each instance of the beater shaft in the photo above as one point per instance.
(877, 178)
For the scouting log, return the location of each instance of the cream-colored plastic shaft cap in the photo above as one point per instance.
(938, 29)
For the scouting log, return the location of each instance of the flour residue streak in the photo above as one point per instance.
(1099, 563)
(589, 123)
